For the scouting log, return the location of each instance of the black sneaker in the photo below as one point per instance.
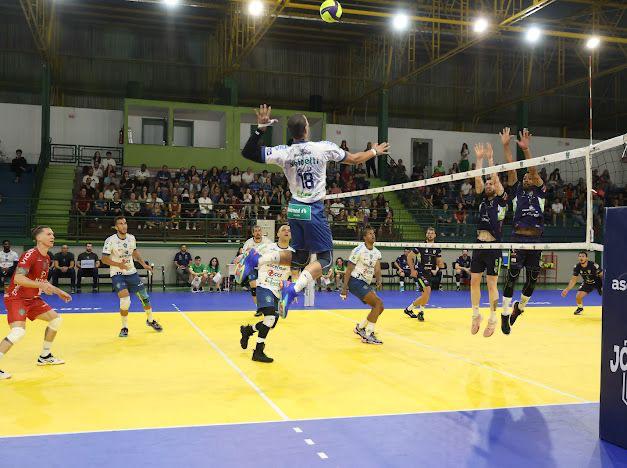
(458, 288)
(578, 311)
(247, 331)
(49, 360)
(409, 313)
(258, 313)
(259, 355)
(154, 325)
(505, 326)
(421, 316)
(515, 313)
(78, 291)
(123, 332)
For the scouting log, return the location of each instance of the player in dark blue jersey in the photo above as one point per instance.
(489, 229)
(528, 198)
(592, 277)
(402, 269)
(462, 267)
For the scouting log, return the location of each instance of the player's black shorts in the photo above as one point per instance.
(486, 260)
(423, 279)
(589, 287)
(529, 259)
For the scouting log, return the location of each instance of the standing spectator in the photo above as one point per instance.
(439, 170)
(182, 259)
(557, 211)
(64, 267)
(163, 176)
(142, 176)
(214, 277)
(88, 264)
(463, 158)
(108, 162)
(402, 170)
(371, 164)
(18, 165)
(8, 262)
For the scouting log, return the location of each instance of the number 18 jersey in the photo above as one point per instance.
(305, 166)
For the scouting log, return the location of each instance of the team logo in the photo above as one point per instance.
(620, 362)
(22, 312)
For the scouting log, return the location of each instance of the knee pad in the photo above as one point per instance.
(143, 297)
(16, 334)
(55, 324)
(530, 284)
(300, 259)
(510, 281)
(125, 303)
(253, 292)
(196, 281)
(270, 316)
(326, 261)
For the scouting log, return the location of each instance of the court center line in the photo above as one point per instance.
(230, 362)
(459, 357)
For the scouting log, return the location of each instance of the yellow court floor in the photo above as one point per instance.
(195, 373)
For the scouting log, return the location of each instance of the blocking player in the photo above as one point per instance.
(269, 280)
(592, 277)
(462, 268)
(489, 230)
(23, 300)
(528, 198)
(364, 264)
(304, 164)
(118, 252)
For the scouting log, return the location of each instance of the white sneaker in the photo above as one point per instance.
(4, 375)
(489, 329)
(49, 360)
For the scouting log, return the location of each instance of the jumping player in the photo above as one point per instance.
(23, 300)
(271, 275)
(592, 277)
(304, 164)
(118, 252)
(489, 229)
(528, 200)
(462, 268)
(255, 242)
(364, 264)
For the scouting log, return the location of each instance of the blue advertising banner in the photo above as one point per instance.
(613, 408)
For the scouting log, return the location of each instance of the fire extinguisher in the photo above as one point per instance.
(121, 136)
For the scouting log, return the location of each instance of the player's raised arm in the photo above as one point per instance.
(524, 144)
(251, 149)
(509, 157)
(498, 187)
(363, 156)
(479, 153)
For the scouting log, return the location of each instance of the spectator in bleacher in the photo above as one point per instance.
(83, 202)
(557, 211)
(460, 217)
(164, 194)
(454, 169)
(142, 176)
(193, 172)
(88, 264)
(337, 206)
(96, 159)
(132, 207)
(445, 220)
(97, 170)
(126, 185)
(181, 176)
(234, 225)
(164, 176)
(116, 208)
(111, 177)
(214, 277)
(401, 168)
(402, 268)
(236, 177)
(463, 158)
(144, 195)
(225, 176)
(205, 205)
(344, 146)
(371, 164)
(110, 192)
(182, 259)
(108, 162)
(386, 230)
(439, 170)
(190, 211)
(466, 192)
(154, 198)
(8, 262)
(417, 174)
(248, 176)
(174, 213)
(90, 180)
(64, 267)
(100, 207)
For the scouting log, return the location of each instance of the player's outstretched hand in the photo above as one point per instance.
(65, 297)
(525, 139)
(381, 148)
(263, 114)
(505, 136)
(564, 292)
(47, 288)
(479, 150)
(489, 153)
(148, 268)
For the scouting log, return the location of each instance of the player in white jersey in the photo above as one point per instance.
(118, 252)
(255, 242)
(364, 265)
(271, 275)
(305, 165)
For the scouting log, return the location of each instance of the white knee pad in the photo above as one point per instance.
(269, 320)
(217, 279)
(16, 334)
(196, 281)
(125, 303)
(54, 324)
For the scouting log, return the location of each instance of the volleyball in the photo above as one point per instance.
(330, 11)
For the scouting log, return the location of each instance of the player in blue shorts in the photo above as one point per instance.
(118, 252)
(304, 164)
(364, 265)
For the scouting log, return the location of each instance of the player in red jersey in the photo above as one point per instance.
(22, 298)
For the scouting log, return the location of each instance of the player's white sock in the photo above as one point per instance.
(47, 347)
(523, 301)
(475, 311)
(457, 283)
(411, 307)
(363, 323)
(124, 321)
(149, 314)
(402, 284)
(506, 306)
(369, 328)
(270, 257)
(303, 280)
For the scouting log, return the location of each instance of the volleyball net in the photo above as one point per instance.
(580, 183)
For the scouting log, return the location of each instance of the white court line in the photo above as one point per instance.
(297, 429)
(228, 360)
(309, 442)
(459, 357)
(323, 455)
(275, 421)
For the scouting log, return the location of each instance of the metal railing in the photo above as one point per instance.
(81, 155)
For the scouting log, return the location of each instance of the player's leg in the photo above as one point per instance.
(72, 275)
(513, 272)
(252, 281)
(477, 267)
(268, 308)
(16, 318)
(518, 308)
(401, 280)
(137, 287)
(54, 323)
(579, 299)
(94, 277)
(420, 301)
(79, 278)
(458, 277)
(376, 309)
(493, 295)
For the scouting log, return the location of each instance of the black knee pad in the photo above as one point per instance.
(326, 261)
(300, 258)
(510, 281)
(253, 292)
(530, 284)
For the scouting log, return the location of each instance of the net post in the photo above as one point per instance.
(588, 161)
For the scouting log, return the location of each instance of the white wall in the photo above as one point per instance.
(135, 124)
(209, 134)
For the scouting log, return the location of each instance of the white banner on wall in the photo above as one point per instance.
(267, 226)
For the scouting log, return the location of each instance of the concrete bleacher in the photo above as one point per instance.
(15, 205)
